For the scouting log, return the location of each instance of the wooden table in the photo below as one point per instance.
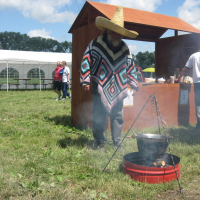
(45, 79)
(23, 79)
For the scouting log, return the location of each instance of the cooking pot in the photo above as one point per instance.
(152, 144)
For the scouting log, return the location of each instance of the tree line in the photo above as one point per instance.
(17, 41)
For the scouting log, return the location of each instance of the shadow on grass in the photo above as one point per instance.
(80, 141)
(120, 167)
(63, 120)
(186, 135)
(182, 134)
(60, 120)
(68, 141)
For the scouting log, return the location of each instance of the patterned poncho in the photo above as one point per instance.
(112, 69)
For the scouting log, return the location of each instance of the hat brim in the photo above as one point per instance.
(103, 24)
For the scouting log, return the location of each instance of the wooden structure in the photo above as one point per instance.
(170, 53)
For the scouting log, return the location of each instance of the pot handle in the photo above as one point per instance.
(135, 135)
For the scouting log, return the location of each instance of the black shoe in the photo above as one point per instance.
(119, 145)
(100, 147)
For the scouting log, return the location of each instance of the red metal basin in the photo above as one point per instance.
(154, 175)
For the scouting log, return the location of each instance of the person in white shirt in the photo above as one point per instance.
(194, 63)
(65, 81)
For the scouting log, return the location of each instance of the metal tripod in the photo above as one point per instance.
(160, 121)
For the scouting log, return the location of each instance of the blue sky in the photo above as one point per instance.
(53, 18)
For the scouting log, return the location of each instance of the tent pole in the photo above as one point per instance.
(40, 78)
(48, 71)
(7, 76)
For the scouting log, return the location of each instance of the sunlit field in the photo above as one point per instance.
(42, 156)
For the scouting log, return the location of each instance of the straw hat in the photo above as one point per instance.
(116, 24)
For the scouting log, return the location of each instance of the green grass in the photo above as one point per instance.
(11, 80)
(42, 156)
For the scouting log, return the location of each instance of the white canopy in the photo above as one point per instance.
(30, 56)
(24, 61)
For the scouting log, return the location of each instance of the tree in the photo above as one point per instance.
(12, 40)
(67, 46)
(145, 59)
(136, 61)
(17, 41)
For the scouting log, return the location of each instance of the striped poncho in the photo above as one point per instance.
(112, 69)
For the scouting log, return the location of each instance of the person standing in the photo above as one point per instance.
(108, 64)
(57, 80)
(139, 76)
(194, 63)
(65, 81)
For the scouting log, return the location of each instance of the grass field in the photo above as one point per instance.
(42, 156)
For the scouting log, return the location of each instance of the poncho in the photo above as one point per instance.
(112, 69)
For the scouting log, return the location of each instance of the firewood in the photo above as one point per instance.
(160, 163)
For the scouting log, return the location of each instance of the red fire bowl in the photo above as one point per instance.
(132, 165)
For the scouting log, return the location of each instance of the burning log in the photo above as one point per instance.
(160, 163)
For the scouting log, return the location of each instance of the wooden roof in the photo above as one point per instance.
(150, 26)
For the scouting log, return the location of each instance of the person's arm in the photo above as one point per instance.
(68, 76)
(183, 71)
(85, 70)
(188, 66)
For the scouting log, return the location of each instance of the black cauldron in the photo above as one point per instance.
(152, 145)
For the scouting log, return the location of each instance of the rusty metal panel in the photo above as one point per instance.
(173, 52)
(81, 100)
(167, 96)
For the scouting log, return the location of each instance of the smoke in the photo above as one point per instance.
(84, 114)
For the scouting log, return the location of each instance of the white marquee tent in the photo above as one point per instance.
(28, 64)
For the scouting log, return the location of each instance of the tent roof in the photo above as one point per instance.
(30, 56)
(150, 26)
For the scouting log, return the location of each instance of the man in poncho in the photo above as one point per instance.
(108, 64)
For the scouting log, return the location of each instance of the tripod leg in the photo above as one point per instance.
(127, 133)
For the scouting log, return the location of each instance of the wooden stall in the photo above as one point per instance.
(170, 53)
